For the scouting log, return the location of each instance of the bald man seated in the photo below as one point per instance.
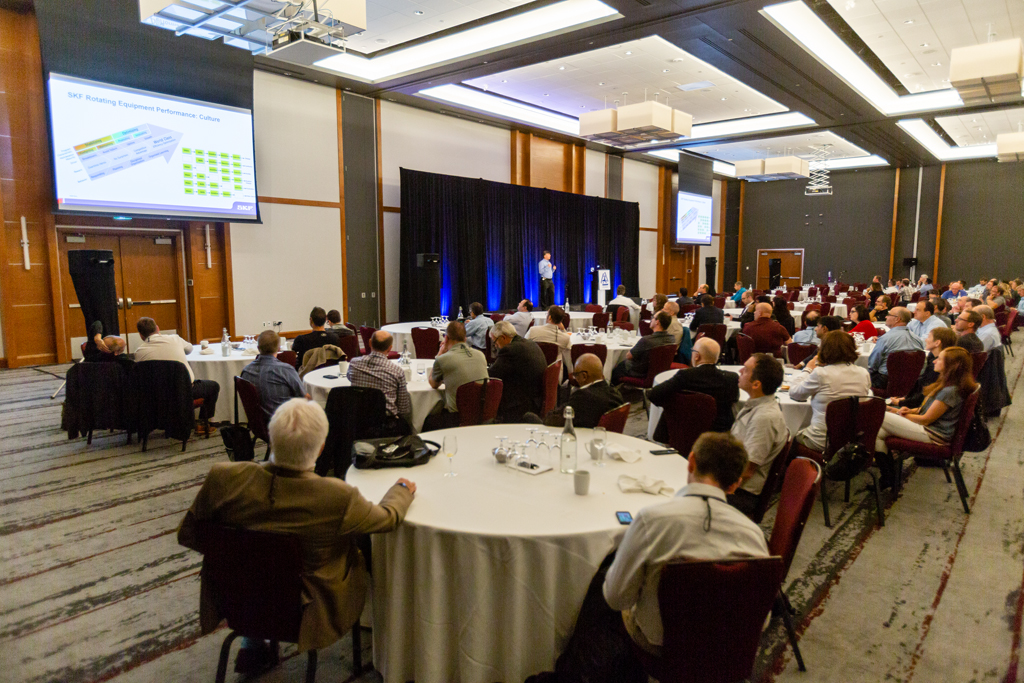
(704, 377)
(594, 398)
(768, 335)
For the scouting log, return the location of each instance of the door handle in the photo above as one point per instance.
(120, 303)
(155, 301)
(675, 278)
(129, 300)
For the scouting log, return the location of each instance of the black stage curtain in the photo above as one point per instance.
(491, 236)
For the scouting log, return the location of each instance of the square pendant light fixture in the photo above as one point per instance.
(1010, 146)
(988, 73)
(635, 124)
(774, 168)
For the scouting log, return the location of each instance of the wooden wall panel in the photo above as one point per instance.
(547, 164)
(540, 162)
(208, 296)
(28, 310)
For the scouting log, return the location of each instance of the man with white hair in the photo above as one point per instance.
(924, 284)
(704, 377)
(325, 513)
(988, 332)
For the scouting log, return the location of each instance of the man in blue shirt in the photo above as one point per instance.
(738, 296)
(276, 381)
(988, 331)
(477, 326)
(547, 287)
(924, 320)
(898, 338)
(924, 285)
(955, 291)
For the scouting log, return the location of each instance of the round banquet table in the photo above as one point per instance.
(223, 371)
(615, 351)
(402, 335)
(485, 578)
(422, 396)
(577, 319)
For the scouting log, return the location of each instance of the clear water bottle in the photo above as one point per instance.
(225, 344)
(461, 316)
(568, 444)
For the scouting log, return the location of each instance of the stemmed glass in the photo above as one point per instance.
(597, 444)
(451, 447)
(543, 442)
(501, 449)
(533, 432)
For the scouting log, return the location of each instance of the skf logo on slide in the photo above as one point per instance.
(246, 207)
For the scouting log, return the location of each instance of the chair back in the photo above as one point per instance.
(798, 352)
(915, 297)
(365, 333)
(645, 328)
(350, 345)
(688, 308)
(98, 396)
(904, 368)
(592, 308)
(289, 357)
(352, 327)
(249, 395)
(689, 414)
(552, 375)
(826, 308)
(716, 331)
(812, 307)
(772, 480)
(353, 413)
(831, 298)
(719, 302)
(164, 398)
(622, 314)
(615, 419)
(426, 341)
(970, 404)
(577, 350)
(497, 317)
(978, 362)
(744, 347)
(551, 351)
(1007, 327)
(661, 358)
(624, 325)
(799, 488)
(478, 401)
(713, 614)
(793, 295)
(600, 320)
(646, 314)
(1001, 317)
(240, 564)
(812, 291)
(841, 428)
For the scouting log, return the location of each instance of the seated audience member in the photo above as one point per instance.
(684, 298)
(99, 349)
(874, 292)
(1020, 300)
(320, 336)
(808, 335)
(955, 290)
(285, 496)
(768, 335)
(276, 381)
(924, 284)
(988, 331)
(939, 339)
(891, 288)
(477, 326)
(621, 606)
(638, 358)
(707, 313)
(942, 309)
(881, 309)
(759, 426)
(831, 374)
(520, 365)
(966, 328)
(738, 290)
(157, 346)
(781, 315)
(375, 371)
(898, 338)
(764, 299)
(826, 324)
(706, 289)
(456, 364)
(704, 377)
(906, 291)
(594, 398)
(924, 321)
(747, 302)
(621, 300)
(657, 302)
(676, 328)
(522, 318)
(335, 325)
(935, 421)
(553, 332)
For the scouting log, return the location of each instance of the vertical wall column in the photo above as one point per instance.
(540, 162)
(362, 210)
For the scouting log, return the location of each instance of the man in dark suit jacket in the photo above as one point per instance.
(639, 356)
(594, 398)
(747, 301)
(707, 313)
(704, 377)
(315, 339)
(520, 366)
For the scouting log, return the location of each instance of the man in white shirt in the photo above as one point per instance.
(522, 318)
(553, 332)
(157, 346)
(622, 300)
(988, 333)
(676, 328)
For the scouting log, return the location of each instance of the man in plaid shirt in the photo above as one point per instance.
(375, 371)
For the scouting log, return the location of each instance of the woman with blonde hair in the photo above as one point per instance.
(935, 421)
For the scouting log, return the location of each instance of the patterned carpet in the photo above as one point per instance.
(94, 587)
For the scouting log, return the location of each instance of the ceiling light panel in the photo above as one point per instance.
(805, 27)
(531, 25)
(982, 127)
(595, 80)
(939, 148)
(919, 53)
(502, 108)
(789, 145)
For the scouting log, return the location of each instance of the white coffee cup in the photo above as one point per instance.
(343, 368)
(581, 482)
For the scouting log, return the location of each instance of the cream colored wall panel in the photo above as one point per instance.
(640, 184)
(595, 173)
(424, 141)
(648, 264)
(286, 266)
(296, 138)
(716, 212)
(392, 264)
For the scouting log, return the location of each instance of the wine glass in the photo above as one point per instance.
(421, 371)
(451, 447)
(597, 445)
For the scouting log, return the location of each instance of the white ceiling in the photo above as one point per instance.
(981, 128)
(790, 145)
(914, 38)
(595, 80)
(396, 21)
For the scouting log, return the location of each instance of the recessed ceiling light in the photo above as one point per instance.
(561, 68)
(382, 41)
(664, 71)
(504, 81)
(418, 13)
(937, 64)
(677, 59)
(600, 83)
(909, 21)
(724, 99)
(974, 120)
(545, 94)
(924, 44)
(628, 52)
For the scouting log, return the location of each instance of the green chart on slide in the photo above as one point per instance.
(215, 173)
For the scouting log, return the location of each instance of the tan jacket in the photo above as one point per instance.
(552, 334)
(325, 512)
(318, 356)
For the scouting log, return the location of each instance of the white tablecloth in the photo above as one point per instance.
(402, 336)
(616, 352)
(484, 579)
(222, 371)
(421, 394)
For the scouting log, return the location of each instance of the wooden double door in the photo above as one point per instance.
(791, 268)
(148, 275)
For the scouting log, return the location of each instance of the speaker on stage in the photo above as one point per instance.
(774, 273)
(710, 266)
(92, 273)
(427, 286)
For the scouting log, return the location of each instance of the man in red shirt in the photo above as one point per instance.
(768, 335)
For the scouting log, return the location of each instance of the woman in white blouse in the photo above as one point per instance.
(830, 375)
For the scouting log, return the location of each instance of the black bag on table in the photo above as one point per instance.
(401, 451)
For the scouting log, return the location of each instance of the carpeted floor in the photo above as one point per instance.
(94, 587)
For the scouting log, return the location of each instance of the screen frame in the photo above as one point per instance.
(678, 245)
(131, 213)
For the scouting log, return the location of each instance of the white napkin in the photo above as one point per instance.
(250, 352)
(622, 453)
(208, 351)
(644, 484)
